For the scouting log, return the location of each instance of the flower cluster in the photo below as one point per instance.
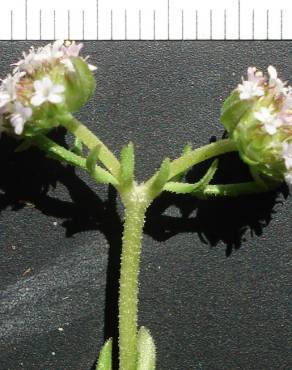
(38, 83)
(258, 117)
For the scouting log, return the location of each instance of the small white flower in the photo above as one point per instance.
(29, 63)
(279, 87)
(270, 120)
(20, 115)
(287, 155)
(8, 91)
(45, 90)
(50, 52)
(249, 89)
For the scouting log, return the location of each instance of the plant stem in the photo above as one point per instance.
(88, 138)
(136, 203)
(193, 157)
(234, 190)
(59, 153)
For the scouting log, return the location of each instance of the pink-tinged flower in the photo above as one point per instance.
(255, 75)
(20, 115)
(46, 91)
(278, 86)
(71, 49)
(269, 120)
(253, 86)
(287, 155)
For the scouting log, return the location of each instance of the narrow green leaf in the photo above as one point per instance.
(105, 357)
(207, 178)
(127, 164)
(146, 350)
(187, 149)
(97, 172)
(180, 187)
(92, 158)
(77, 147)
(161, 177)
(187, 188)
(103, 176)
(25, 144)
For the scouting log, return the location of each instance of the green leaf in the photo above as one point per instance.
(97, 172)
(127, 164)
(187, 149)
(105, 357)
(207, 178)
(79, 86)
(25, 144)
(77, 147)
(146, 350)
(187, 188)
(92, 158)
(161, 177)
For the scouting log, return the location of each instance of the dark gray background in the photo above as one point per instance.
(215, 275)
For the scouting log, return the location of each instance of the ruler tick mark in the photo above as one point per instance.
(83, 24)
(252, 24)
(112, 24)
(168, 21)
(68, 23)
(211, 24)
(182, 24)
(281, 24)
(225, 18)
(40, 25)
(267, 24)
(197, 23)
(54, 21)
(140, 26)
(239, 19)
(26, 19)
(154, 24)
(126, 25)
(11, 24)
(97, 19)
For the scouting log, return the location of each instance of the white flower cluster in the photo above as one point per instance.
(22, 91)
(276, 114)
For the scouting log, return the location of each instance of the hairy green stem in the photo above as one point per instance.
(80, 131)
(234, 190)
(196, 156)
(60, 153)
(136, 203)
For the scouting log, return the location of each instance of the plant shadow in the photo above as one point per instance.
(28, 176)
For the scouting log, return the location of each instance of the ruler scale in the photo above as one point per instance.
(146, 20)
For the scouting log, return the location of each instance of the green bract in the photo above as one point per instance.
(79, 85)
